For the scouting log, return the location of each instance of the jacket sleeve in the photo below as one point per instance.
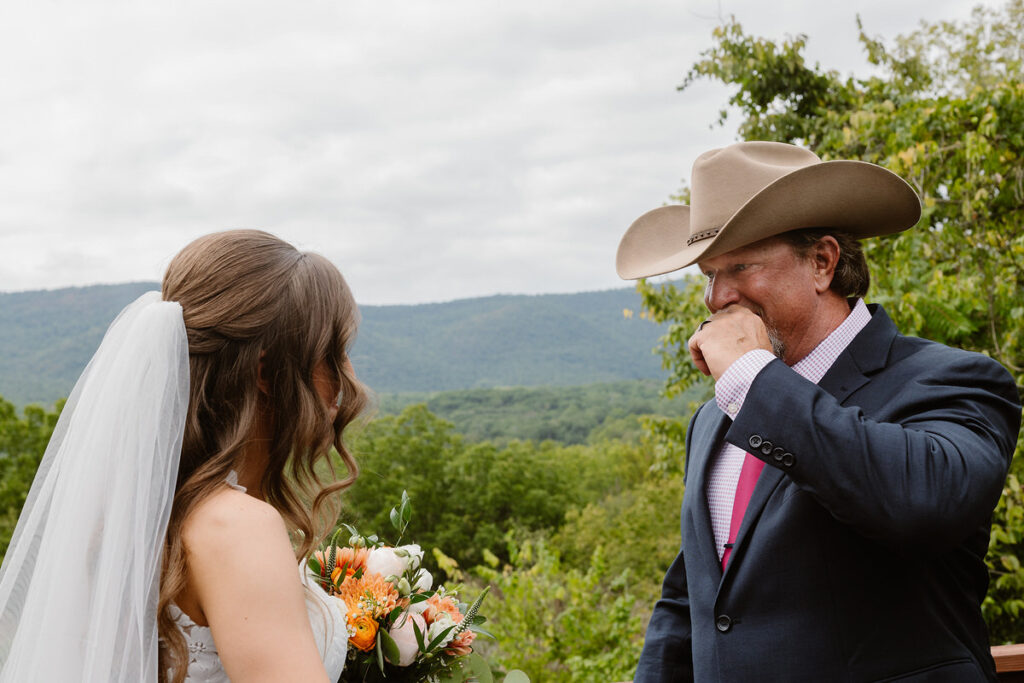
(920, 467)
(668, 655)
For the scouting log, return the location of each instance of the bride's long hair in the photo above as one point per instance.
(250, 299)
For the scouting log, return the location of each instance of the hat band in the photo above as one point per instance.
(703, 235)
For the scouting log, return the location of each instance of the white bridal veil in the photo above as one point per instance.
(81, 578)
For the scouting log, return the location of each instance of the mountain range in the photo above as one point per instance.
(48, 336)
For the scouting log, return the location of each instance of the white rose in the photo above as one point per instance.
(443, 621)
(424, 581)
(385, 562)
(404, 635)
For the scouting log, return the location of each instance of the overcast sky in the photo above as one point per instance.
(433, 150)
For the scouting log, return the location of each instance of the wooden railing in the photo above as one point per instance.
(1009, 663)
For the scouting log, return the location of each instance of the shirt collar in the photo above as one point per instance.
(815, 364)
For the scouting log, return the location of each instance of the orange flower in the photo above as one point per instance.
(369, 594)
(337, 579)
(365, 628)
(437, 605)
(461, 645)
(353, 559)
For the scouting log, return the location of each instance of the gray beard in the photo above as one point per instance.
(778, 346)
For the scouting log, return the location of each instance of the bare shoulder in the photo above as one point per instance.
(228, 520)
(237, 547)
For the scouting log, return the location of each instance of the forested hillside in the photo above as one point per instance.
(47, 337)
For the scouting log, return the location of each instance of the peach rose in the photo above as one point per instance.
(404, 635)
(437, 606)
(365, 636)
(461, 645)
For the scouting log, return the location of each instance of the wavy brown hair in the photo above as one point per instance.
(251, 299)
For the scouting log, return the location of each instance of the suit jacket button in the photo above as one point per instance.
(766, 447)
(755, 441)
(723, 623)
(788, 460)
(777, 454)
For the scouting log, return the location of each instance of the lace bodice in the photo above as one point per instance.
(326, 615)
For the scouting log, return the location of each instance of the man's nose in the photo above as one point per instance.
(718, 294)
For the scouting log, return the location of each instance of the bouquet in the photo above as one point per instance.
(400, 627)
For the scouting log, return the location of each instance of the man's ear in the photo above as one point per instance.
(261, 379)
(824, 259)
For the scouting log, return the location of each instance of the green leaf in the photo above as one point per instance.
(516, 676)
(419, 637)
(389, 647)
(396, 519)
(380, 653)
(439, 639)
(483, 632)
(479, 668)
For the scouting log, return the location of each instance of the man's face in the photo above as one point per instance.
(769, 279)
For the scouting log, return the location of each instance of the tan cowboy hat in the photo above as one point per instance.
(749, 191)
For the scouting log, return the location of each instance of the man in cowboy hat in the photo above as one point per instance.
(839, 487)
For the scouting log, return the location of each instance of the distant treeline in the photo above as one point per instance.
(569, 415)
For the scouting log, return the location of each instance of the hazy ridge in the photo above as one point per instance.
(47, 337)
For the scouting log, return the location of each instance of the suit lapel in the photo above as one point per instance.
(866, 355)
(708, 434)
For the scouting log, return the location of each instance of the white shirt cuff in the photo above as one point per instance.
(732, 387)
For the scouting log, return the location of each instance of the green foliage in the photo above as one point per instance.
(469, 496)
(636, 529)
(582, 535)
(1004, 605)
(569, 415)
(945, 110)
(23, 441)
(559, 623)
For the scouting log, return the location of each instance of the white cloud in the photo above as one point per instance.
(432, 150)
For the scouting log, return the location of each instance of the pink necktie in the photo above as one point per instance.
(744, 489)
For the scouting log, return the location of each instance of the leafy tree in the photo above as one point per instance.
(945, 110)
(562, 624)
(636, 529)
(468, 497)
(23, 441)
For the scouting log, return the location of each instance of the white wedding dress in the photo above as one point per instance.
(326, 615)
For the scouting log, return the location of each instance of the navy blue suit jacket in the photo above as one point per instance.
(861, 555)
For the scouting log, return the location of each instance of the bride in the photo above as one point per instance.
(154, 545)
